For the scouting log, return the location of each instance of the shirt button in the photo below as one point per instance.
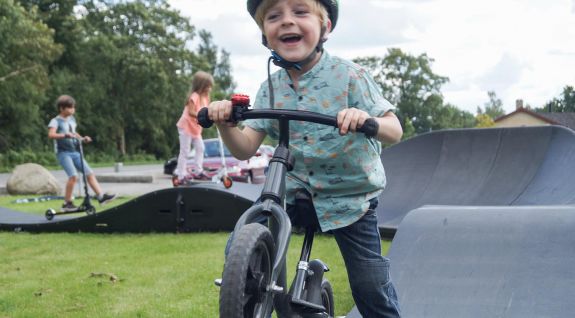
(305, 138)
(315, 195)
(300, 98)
(311, 173)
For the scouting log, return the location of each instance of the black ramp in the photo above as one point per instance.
(202, 207)
(554, 182)
(485, 262)
(497, 166)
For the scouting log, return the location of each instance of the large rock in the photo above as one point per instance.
(31, 178)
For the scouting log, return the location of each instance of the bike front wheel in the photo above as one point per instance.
(327, 298)
(247, 274)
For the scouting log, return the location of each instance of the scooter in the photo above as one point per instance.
(217, 176)
(86, 205)
(254, 277)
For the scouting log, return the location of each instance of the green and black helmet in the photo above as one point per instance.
(332, 7)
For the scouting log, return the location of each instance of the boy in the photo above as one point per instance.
(343, 174)
(62, 129)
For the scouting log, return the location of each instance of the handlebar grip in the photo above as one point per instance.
(203, 118)
(370, 127)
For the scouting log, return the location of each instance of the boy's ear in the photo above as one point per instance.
(265, 41)
(326, 30)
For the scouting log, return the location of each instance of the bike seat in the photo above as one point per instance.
(302, 213)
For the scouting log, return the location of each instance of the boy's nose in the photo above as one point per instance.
(287, 19)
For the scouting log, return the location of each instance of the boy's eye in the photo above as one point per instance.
(272, 16)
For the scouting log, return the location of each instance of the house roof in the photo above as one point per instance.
(563, 119)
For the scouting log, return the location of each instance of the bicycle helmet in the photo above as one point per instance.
(332, 7)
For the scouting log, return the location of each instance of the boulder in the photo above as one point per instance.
(31, 178)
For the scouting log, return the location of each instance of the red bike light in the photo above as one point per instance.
(240, 100)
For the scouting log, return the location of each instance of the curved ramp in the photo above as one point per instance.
(201, 207)
(485, 262)
(478, 167)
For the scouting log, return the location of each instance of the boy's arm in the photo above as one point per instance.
(390, 130)
(52, 134)
(242, 143)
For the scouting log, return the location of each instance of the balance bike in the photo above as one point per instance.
(254, 276)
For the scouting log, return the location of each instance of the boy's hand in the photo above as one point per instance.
(350, 119)
(87, 139)
(220, 111)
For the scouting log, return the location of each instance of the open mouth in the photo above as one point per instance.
(290, 38)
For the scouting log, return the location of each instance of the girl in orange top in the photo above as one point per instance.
(188, 128)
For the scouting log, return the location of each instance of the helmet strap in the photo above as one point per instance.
(283, 63)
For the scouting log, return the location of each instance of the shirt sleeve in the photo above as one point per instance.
(365, 94)
(53, 123)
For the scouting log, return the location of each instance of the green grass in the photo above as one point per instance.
(158, 275)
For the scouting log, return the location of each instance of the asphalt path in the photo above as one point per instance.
(127, 181)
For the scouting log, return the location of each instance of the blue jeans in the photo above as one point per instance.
(70, 161)
(367, 270)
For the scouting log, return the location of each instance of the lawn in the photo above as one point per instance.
(128, 275)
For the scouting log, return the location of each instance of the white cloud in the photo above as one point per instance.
(518, 48)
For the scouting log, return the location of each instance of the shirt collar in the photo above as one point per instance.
(312, 72)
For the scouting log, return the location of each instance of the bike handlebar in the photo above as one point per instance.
(241, 112)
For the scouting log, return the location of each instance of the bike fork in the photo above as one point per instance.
(306, 287)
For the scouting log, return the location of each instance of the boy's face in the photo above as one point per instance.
(67, 111)
(292, 29)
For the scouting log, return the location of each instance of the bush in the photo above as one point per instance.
(48, 159)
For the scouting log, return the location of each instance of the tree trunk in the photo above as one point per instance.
(121, 141)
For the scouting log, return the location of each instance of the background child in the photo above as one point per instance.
(62, 129)
(344, 173)
(189, 130)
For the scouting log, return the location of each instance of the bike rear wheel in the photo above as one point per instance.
(247, 274)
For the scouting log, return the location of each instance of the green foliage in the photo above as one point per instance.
(26, 50)
(11, 158)
(564, 103)
(484, 121)
(408, 130)
(409, 83)
(48, 159)
(127, 64)
(493, 108)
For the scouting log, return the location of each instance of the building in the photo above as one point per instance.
(526, 117)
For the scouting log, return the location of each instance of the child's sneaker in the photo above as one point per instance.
(106, 198)
(201, 176)
(68, 207)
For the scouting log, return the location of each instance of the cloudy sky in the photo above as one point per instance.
(521, 49)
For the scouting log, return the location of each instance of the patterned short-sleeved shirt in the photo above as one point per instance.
(341, 172)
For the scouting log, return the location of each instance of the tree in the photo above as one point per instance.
(27, 49)
(135, 68)
(409, 83)
(493, 108)
(59, 16)
(483, 121)
(564, 103)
